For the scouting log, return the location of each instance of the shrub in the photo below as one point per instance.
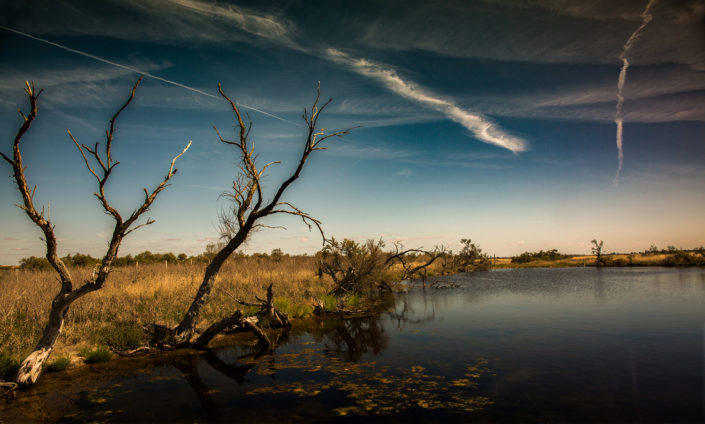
(34, 263)
(354, 267)
(99, 354)
(59, 364)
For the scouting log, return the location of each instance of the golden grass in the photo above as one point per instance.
(613, 259)
(147, 294)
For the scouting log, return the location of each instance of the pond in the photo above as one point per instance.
(575, 344)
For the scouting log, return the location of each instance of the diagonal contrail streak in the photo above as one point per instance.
(147, 74)
(645, 19)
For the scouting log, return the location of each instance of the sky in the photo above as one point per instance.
(521, 124)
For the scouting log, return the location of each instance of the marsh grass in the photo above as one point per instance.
(137, 295)
(99, 354)
(59, 364)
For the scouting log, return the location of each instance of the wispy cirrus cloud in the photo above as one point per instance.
(260, 24)
(12, 78)
(170, 21)
(478, 125)
(379, 153)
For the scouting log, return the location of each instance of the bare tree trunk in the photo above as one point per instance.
(248, 207)
(31, 367)
(212, 331)
(187, 327)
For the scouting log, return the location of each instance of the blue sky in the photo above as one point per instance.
(494, 120)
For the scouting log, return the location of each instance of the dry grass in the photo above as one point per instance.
(134, 296)
(612, 259)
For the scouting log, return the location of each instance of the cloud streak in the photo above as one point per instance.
(138, 71)
(645, 19)
(479, 126)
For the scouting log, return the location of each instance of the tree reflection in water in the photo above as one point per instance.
(316, 361)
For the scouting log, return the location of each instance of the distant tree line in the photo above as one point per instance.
(82, 260)
(548, 255)
(653, 250)
(144, 258)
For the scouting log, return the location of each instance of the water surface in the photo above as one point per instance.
(577, 344)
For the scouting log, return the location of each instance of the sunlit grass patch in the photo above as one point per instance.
(59, 364)
(99, 354)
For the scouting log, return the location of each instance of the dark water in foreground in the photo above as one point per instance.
(578, 344)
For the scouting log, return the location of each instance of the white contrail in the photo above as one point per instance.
(479, 126)
(645, 19)
(147, 74)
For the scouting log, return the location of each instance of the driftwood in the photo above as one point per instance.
(268, 313)
(268, 316)
(8, 388)
(130, 353)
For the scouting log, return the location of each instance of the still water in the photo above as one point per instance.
(578, 344)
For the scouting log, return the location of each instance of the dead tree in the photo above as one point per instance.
(268, 313)
(409, 268)
(249, 208)
(31, 367)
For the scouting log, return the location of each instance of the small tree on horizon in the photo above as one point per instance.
(597, 251)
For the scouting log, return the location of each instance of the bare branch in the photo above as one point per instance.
(272, 227)
(149, 197)
(149, 222)
(85, 159)
(111, 131)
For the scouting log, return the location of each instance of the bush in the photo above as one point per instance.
(99, 354)
(59, 364)
(34, 263)
(8, 367)
(354, 267)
